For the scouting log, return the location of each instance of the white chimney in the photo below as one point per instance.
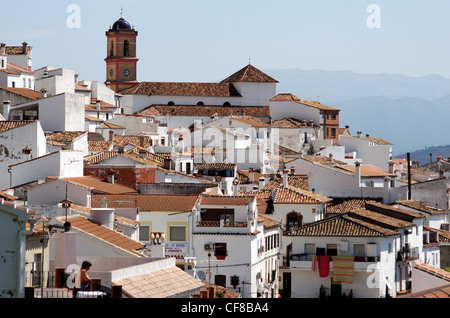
(43, 93)
(97, 103)
(6, 109)
(235, 187)
(359, 133)
(103, 216)
(262, 182)
(251, 175)
(285, 177)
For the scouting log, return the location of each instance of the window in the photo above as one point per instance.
(333, 132)
(126, 48)
(144, 232)
(359, 252)
(220, 280)
(310, 248)
(200, 103)
(220, 250)
(177, 233)
(332, 249)
(294, 221)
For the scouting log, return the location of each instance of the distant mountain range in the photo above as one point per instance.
(428, 154)
(410, 112)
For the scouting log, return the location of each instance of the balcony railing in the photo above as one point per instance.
(308, 257)
(221, 224)
(56, 285)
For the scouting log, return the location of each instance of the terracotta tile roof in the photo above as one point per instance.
(11, 124)
(149, 202)
(112, 237)
(224, 200)
(285, 97)
(444, 236)
(419, 206)
(18, 68)
(376, 140)
(398, 212)
(97, 185)
(367, 171)
(438, 293)
(433, 271)
(344, 205)
(312, 103)
(100, 145)
(165, 283)
(268, 221)
(65, 136)
(323, 160)
(7, 197)
(8, 71)
(191, 110)
(17, 50)
(291, 195)
(343, 225)
(249, 73)
(182, 89)
(99, 157)
(92, 118)
(296, 181)
(25, 92)
(244, 176)
(290, 123)
(380, 219)
(135, 140)
(106, 125)
(252, 121)
(216, 166)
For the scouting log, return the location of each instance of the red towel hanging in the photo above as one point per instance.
(324, 265)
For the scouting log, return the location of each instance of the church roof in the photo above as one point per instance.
(121, 24)
(249, 73)
(182, 89)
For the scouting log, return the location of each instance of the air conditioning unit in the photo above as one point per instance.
(208, 247)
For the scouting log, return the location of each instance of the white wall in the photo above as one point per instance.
(60, 164)
(13, 141)
(53, 192)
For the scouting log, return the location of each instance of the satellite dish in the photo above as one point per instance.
(201, 275)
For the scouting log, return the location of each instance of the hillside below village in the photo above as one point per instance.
(231, 189)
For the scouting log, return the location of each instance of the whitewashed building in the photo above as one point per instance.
(235, 247)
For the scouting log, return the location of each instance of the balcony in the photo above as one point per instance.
(304, 261)
(222, 226)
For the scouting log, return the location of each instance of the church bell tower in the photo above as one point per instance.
(121, 60)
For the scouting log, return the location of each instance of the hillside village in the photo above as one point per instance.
(202, 190)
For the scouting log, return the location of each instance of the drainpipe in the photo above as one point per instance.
(21, 251)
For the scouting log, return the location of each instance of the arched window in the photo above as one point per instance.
(126, 48)
(171, 103)
(111, 48)
(226, 104)
(294, 221)
(200, 103)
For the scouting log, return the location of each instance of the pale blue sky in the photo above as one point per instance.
(207, 40)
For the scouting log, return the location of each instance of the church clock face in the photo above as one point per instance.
(126, 72)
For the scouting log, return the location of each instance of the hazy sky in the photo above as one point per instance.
(208, 40)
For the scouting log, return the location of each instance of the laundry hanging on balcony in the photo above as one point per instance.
(323, 262)
(314, 263)
(343, 267)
